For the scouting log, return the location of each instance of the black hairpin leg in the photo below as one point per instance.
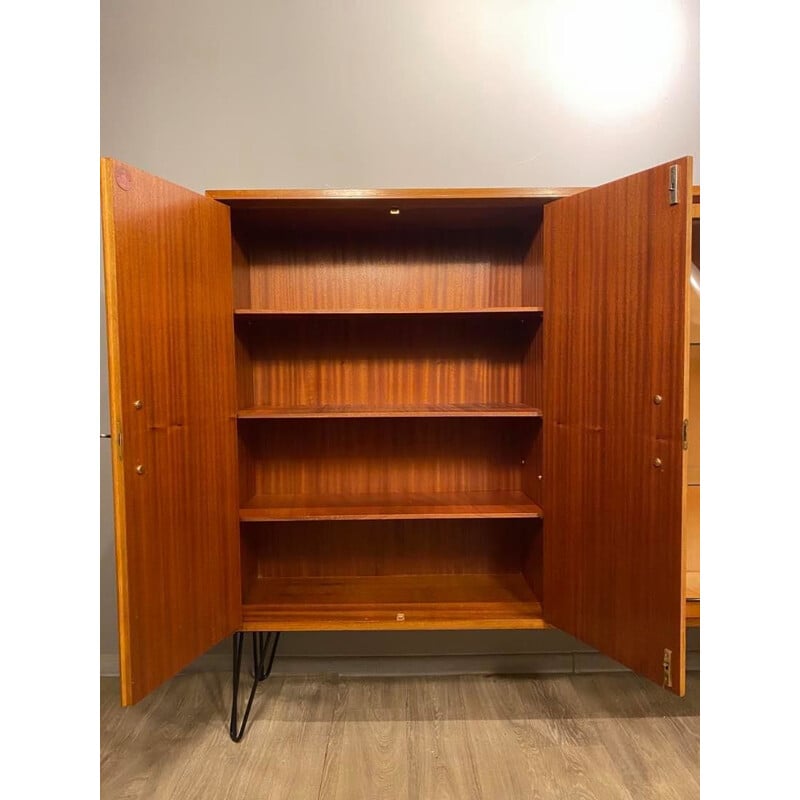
(262, 667)
(264, 645)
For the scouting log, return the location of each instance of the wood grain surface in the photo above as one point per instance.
(693, 529)
(693, 467)
(692, 605)
(388, 311)
(694, 292)
(392, 602)
(383, 363)
(522, 197)
(390, 364)
(167, 256)
(616, 334)
(326, 458)
(438, 573)
(593, 737)
(325, 411)
(389, 505)
(429, 268)
(387, 547)
(692, 521)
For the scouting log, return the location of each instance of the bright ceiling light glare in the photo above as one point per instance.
(612, 58)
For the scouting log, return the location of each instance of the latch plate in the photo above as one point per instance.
(673, 185)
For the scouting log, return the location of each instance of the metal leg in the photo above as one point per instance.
(262, 667)
(266, 641)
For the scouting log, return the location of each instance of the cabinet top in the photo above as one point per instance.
(505, 196)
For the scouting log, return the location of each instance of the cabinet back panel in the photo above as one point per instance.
(411, 268)
(388, 362)
(371, 456)
(241, 273)
(389, 547)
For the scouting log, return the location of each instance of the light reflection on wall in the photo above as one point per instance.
(611, 58)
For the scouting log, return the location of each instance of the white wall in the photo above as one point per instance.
(380, 93)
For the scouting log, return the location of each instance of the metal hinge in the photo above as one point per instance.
(673, 185)
(685, 434)
(667, 669)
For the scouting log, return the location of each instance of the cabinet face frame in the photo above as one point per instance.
(616, 376)
(167, 254)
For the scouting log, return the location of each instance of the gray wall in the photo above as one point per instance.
(379, 93)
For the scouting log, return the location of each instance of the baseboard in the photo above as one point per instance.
(379, 665)
(109, 665)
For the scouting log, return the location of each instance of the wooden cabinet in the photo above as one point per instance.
(399, 409)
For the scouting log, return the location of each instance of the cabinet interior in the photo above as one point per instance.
(389, 379)
(392, 573)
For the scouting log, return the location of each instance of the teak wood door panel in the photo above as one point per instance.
(169, 297)
(616, 325)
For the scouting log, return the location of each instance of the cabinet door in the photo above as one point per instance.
(616, 321)
(167, 256)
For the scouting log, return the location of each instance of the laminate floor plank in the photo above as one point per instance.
(442, 761)
(283, 750)
(652, 736)
(552, 711)
(198, 705)
(150, 746)
(583, 737)
(648, 762)
(368, 749)
(531, 743)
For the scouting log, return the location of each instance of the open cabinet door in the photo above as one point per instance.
(617, 262)
(167, 257)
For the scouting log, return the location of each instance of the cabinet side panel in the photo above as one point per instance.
(533, 265)
(532, 377)
(241, 271)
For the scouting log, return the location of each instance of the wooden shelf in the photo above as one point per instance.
(374, 602)
(451, 505)
(266, 312)
(692, 584)
(363, 412)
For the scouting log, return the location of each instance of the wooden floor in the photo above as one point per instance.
(498, 738)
